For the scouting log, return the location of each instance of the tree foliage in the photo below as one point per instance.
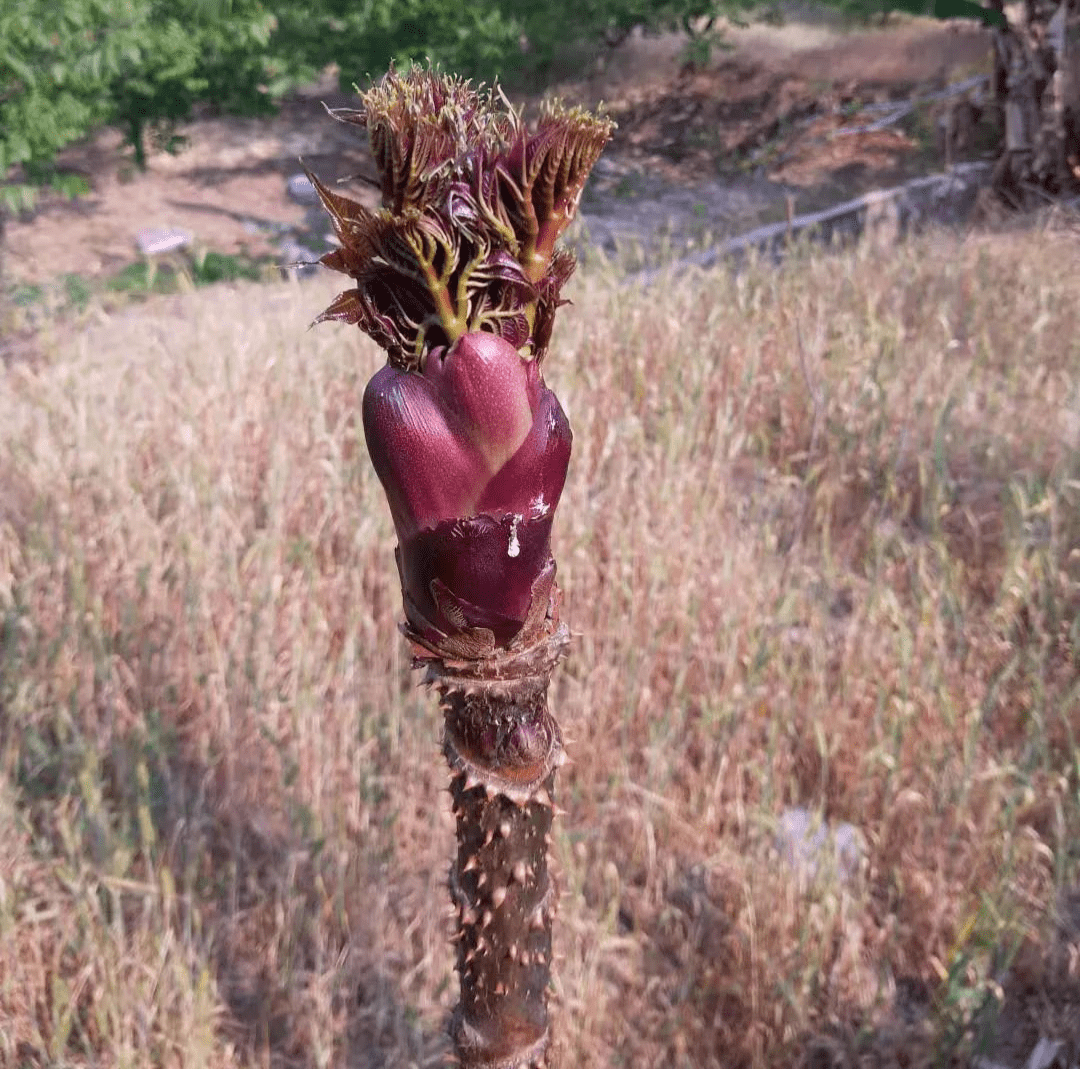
(49, 84)
(68, 67)
(484, 39)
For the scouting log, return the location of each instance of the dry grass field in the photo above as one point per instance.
(820, 546)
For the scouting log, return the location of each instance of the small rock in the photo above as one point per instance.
(301, 190)
(804, 842)
(153, 241)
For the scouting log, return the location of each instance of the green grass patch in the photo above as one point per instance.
(72, 294)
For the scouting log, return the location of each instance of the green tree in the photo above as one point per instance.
(484, 40)
(137, 64)
(50, 88)
(480, 39)
(161, 57)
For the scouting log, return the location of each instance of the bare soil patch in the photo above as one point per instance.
(690, 125)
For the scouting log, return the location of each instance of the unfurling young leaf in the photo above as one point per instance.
(473, 202)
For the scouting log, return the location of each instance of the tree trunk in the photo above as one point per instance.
(503, 747)
(1037, 83)
(137, 138)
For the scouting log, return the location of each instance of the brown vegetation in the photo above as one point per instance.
(820, 544)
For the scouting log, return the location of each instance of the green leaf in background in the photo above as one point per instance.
(968, 9)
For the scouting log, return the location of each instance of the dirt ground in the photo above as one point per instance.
(786, 86)
(758, 123)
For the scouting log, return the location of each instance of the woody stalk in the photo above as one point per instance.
(458, 277)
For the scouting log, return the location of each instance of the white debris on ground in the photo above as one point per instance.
(156, 241)
(813, 848)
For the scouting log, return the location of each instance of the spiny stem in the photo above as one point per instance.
(503, 747)
(506, 901)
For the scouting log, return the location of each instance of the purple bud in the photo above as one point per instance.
(472, 452)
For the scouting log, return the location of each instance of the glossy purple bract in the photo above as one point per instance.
(472, 451)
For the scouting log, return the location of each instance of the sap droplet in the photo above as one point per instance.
(514, 547)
